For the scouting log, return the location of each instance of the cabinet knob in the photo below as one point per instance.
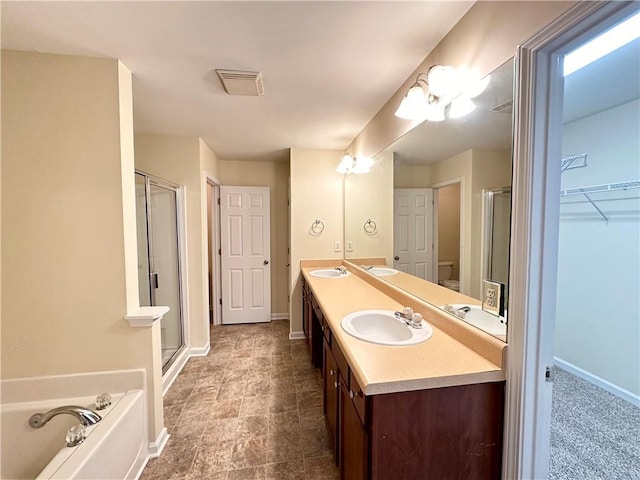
(351, 394)
(336, 384)
(332, 372)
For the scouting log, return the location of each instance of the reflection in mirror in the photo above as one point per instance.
(441, 200)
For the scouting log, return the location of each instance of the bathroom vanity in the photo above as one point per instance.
(432, 410)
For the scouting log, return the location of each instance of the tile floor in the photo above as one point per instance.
(251, 409)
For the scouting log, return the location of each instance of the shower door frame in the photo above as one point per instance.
(180, 230)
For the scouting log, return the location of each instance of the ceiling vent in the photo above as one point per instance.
(236, 82)
(506, 107)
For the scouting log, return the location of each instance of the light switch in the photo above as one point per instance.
(337, 246)
(349, 246)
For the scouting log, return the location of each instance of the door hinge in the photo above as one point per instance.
(218, 201)
(548, 374)
(219, 251)
(220, 301)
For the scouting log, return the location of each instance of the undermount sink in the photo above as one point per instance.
(329, 273)
(484, 320)
(382, 271)
(382, 327)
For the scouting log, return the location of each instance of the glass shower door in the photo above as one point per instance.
(159, 274)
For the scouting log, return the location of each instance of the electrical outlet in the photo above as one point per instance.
(337, 246)
(349, 246)
(493, 297)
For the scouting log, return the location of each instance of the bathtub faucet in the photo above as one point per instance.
(86, 416)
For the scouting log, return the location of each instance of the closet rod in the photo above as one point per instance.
(609, 187)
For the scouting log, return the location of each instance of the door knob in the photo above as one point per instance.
(154, 280)
(396, 258)
(266, 262)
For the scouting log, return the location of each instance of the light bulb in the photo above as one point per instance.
(362, 165)
(440, 79)
(460, 107)
(413, 104)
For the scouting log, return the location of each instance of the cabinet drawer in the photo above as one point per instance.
(357, 395)
(343, 366)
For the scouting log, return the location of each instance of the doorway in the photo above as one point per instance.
(213, 250)
(538, 237)
(159, 259)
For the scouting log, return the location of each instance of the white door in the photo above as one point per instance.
(245, 245)
(413, 231)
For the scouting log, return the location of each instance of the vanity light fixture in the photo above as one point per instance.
(350, 164)
(433, 91)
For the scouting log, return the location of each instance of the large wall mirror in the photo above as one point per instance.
(436, 206)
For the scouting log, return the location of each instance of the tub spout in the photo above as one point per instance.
(85, 415)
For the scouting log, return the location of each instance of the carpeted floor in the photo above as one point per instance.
(594, 434)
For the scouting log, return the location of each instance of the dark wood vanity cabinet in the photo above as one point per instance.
(440, 433)
(312, 324)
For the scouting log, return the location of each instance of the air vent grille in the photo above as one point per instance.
(236, 82)
(506, 107)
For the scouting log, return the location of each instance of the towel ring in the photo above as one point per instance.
(370, 226)
(317, 227)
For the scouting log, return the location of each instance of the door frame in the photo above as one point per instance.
(209, 179)
(535, 229)
(462, 267)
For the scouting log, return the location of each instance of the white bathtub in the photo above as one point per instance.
(115, 448)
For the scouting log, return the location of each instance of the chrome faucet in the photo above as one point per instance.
(458, 312)
(342, 270)
(410, 318)
(86, 416)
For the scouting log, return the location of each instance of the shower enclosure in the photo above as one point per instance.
(497, 228)
(159, 269)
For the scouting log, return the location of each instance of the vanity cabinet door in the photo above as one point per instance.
(331, 395)
(353, 439)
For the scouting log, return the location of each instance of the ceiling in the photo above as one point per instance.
(328, 67)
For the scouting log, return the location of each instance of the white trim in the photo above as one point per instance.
(145, 316)
(181, 198)
(280, 316)
(217, 308)
(296, 336)
(156, 448)
(174, 370)
(200, 351)
(534, 240)
(619, 392)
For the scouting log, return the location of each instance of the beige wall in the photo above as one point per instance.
(276, 176)
(181, 160)
(316, 193)
(411, 176)
(483, 39)
(370, 196)
(68, 210)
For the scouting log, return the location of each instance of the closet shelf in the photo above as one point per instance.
(608, 187)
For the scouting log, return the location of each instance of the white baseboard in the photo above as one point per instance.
(200, 351)
(620, 392)
(174, 370)
(279, 316)
(296, 336)
(155, 448)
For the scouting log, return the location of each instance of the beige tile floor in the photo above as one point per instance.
(251, 409)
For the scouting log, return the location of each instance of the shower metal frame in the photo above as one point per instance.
(148, 181)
